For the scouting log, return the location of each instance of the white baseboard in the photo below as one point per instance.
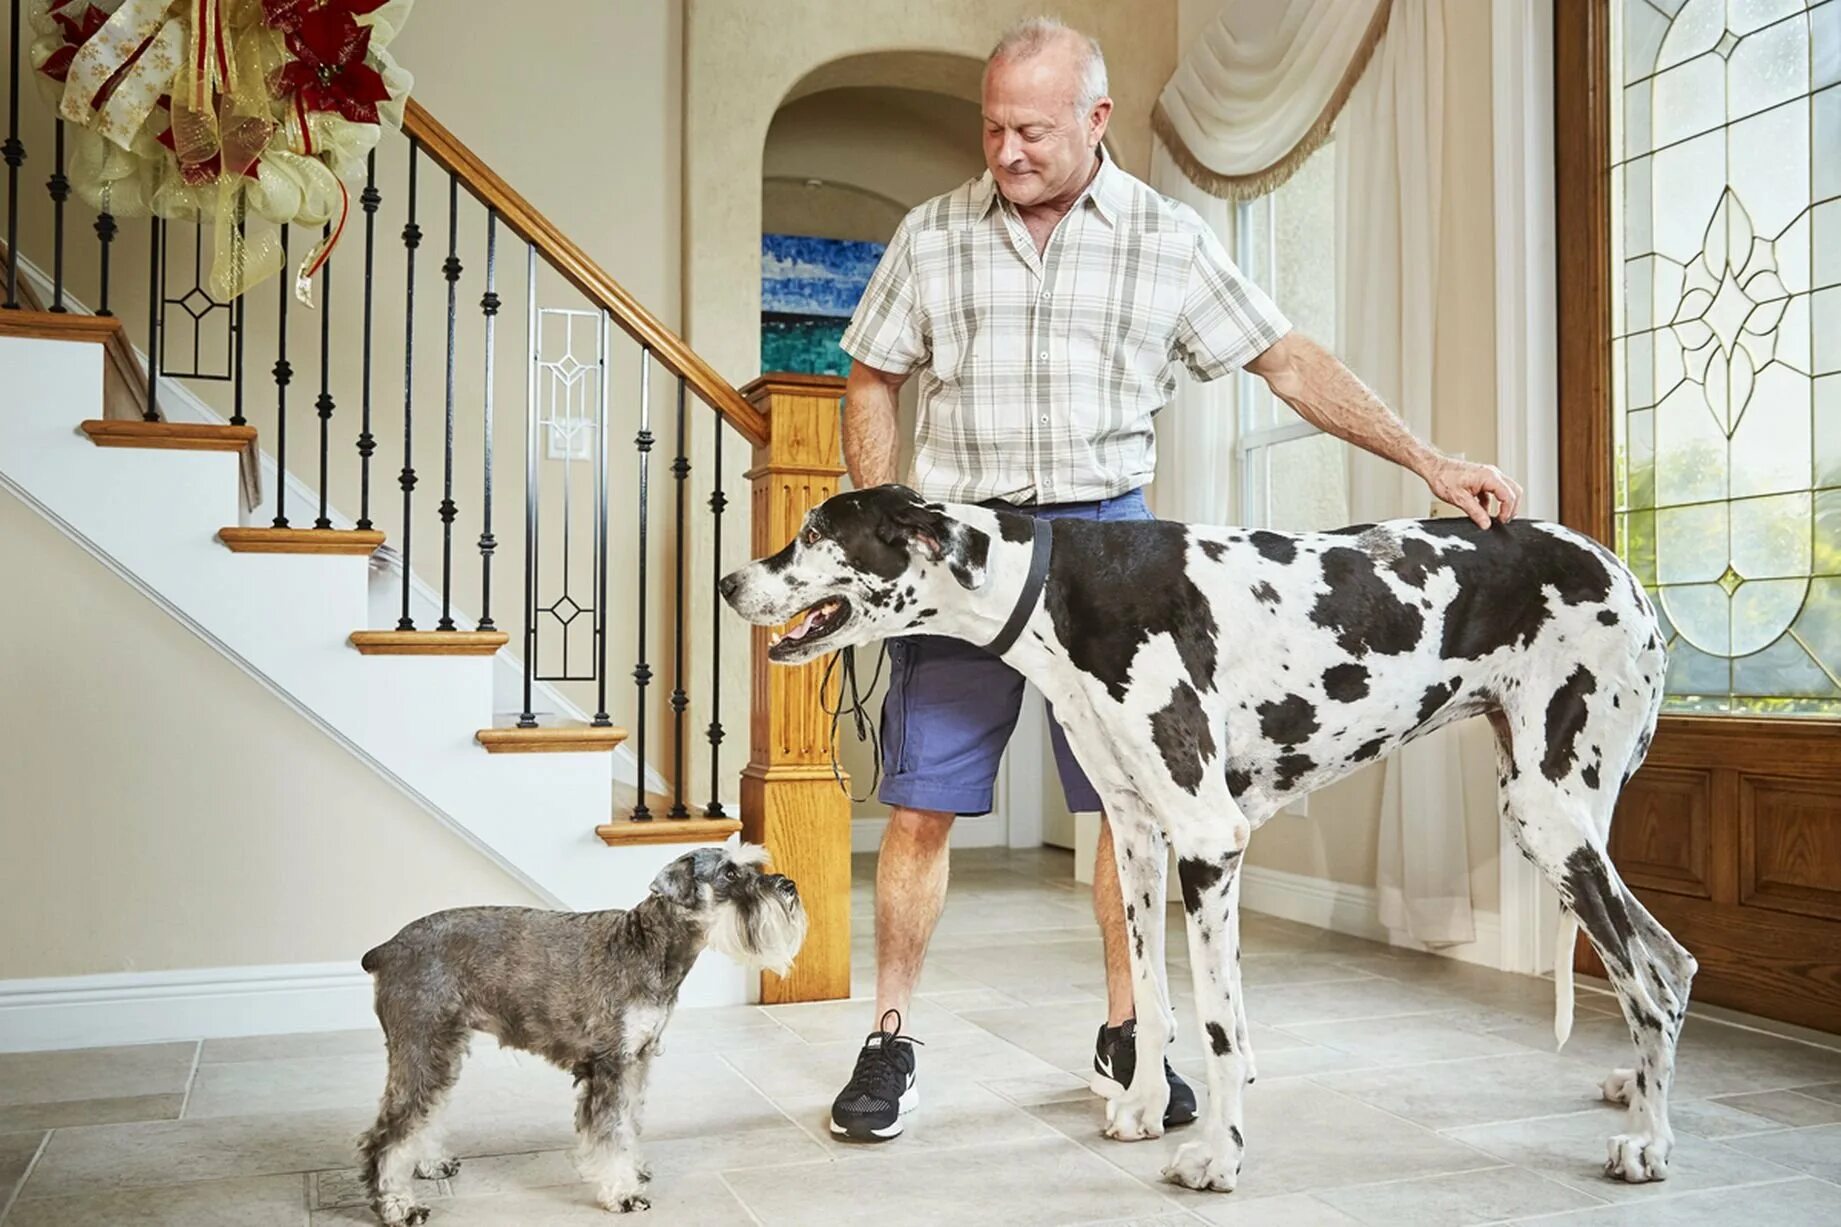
(1355, 910)
(202, 1003)
(984, 831)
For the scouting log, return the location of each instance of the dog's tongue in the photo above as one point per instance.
(800, 631)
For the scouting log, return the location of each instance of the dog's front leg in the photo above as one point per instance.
(1136, 1112)
(607, 1127)
(1208, 861)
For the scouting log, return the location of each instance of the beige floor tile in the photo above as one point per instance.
(1480, 1090)
(1571, 1150)
(1815, 1152)
(703, 1205)
(263, 1201)
(366, 1042)
(1287, 1004)
(345, 1187)
(1286, 1210)
(1050, 1180)
(64, 1113)
(1794, 1203)
(822, 1022)
(1789, 1109)
(1714, 1059)
(246, 1088)
(95, 1073)
(17, 1150)
(1458, 1200)
(1409, 1040)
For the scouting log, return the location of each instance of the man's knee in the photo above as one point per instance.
(923, 827)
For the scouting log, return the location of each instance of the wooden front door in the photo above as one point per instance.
(1698, 167)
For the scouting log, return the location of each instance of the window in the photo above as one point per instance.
(1726, 358)
(1292, 475)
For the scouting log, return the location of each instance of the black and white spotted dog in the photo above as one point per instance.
(1206, 676)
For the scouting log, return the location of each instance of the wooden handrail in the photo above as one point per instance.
(590, 278)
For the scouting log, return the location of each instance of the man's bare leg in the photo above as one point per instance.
(911, 873)
(1109, 910)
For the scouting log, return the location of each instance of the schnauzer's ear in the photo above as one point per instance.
(926, 527)
(677, 882)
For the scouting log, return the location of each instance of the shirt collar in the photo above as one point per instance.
(1107, 191)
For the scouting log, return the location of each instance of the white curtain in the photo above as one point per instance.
(1247, 105)
(1389, 173)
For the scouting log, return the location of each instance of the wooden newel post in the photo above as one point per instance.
(790, 799)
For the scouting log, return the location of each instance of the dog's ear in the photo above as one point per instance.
(678, 883)
(927, 527)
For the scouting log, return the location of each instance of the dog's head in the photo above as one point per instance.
(866, 564)
(753, 916)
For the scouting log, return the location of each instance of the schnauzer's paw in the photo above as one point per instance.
(1637, 1159)
(624, 1200)
(400, 1211)
(1618, 1087)
(1134, 1117)
(437, 1169)
(1200, 1165)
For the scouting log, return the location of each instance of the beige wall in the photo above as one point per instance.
(1339, 840)
(161, 809)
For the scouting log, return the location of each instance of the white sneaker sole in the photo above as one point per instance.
(910, 1100)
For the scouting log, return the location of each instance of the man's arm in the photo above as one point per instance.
(1327, 394)
(870, 443)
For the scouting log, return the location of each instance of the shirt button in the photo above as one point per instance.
(1045, 355)
(1045, 419)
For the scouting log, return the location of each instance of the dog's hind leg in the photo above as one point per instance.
(424, 1064)
(607, 1111)
(1137, 1111)
(1209, 846)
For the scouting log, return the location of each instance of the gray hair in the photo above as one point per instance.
(1034, 35)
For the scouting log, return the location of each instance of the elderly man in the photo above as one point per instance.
(1046, 306)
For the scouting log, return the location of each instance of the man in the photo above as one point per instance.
(1045, 306)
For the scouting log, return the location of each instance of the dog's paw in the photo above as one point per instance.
(1135, 1117)
(624, 1200)
(437, 1169)
(399, 1211)
(1618, 1087)
(1201, 1165)
(1637, 1159)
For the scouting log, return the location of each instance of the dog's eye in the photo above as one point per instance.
(810, 536)
(731, 872)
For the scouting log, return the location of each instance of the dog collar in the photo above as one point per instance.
(1032, 591)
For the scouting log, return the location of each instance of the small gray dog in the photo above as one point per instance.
(588, 991)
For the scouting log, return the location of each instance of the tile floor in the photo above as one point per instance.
(1394, 1089)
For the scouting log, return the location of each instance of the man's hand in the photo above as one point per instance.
(1465, 485)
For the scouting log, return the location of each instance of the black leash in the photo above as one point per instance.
(850, 699)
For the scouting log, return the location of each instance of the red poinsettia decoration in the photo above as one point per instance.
(328, 70)
(77, 31)
(288, 14)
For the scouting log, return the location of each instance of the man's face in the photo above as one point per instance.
(1037, 142)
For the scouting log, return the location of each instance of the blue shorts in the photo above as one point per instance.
(950, 708)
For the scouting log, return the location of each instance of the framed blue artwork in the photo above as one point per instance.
(809, 288)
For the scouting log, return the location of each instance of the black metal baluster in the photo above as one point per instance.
(412, 238)
(237, 317)
(605, 359)
(450, 269)
(489, 306)
(324, 403)
(642, 671)
(105, 235)
(367, 445)
(527, 719)
(680, 475)
(718, 502)
(156, 308)
(284, 374)
(15, 155)
(59, 185)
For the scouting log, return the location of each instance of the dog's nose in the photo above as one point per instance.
(728, 584)
(785, 886)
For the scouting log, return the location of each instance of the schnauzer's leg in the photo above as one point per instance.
(607, 1123)
(424, 1062)
(1208, 849)
(1138, 849)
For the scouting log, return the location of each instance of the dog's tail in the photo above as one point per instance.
(1563, 979)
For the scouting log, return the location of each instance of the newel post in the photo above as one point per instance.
(790, 800)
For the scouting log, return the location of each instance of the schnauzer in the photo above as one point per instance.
(588, 991)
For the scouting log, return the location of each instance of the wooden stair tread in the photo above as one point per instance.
(58, 325)
(550, 739)
(662, 830)
(428, 643)
(175, 436)
(358, 541)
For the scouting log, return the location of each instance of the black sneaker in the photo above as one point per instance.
(881, 1090)
(1115, 1058)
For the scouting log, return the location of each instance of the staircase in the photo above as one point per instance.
(499, 728)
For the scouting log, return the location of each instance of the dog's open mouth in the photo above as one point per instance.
(814, 624)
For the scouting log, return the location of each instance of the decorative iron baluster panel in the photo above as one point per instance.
(569, 364)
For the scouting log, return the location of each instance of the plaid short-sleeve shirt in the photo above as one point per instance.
(1040, 374)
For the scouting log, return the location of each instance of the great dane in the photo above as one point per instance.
(1206, 676)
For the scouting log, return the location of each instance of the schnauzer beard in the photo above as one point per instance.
(764, 936)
